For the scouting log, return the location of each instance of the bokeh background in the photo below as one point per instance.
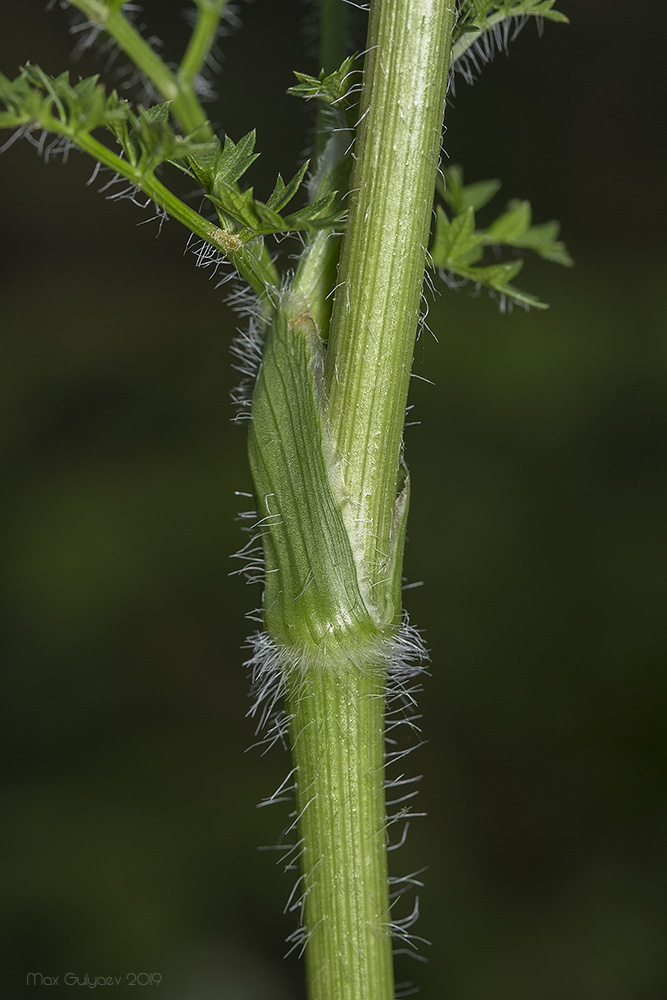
(130, 834)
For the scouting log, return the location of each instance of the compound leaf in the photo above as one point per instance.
(458, 243)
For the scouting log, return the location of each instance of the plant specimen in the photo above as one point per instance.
(327, 353)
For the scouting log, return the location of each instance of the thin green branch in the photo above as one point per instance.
(185, 104)
(332, 51)
(316, 276)
(227, 243)
(178, 90)
(143, 178)
(202, 39)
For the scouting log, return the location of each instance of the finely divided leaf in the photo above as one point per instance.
(219, 173)
(235, 158)
(460, 196)
(36, 100)
(485, 26)
(322, 214)
(458, 244)
(147, 138)
(543, 240)
(476, 16)
(456, 240)
(513, 228)
(333, 88)
(283, 193)
(53, 104)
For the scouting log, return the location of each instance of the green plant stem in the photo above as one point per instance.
(201, 41)
(338, 735)
(316, 276)
(333, 658)
(316, 273)
(246, 263)
(177, 88)
(185, 105)
(327, 474)
(376, 307)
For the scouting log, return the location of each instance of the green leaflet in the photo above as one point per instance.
(283, 193)
(149, 140)
(220, 169)
(334, 88)
(314, 595)
(460, 196)
(257, 218)
(514, 229)
(77, 110)
(458, 245)
(34, 98)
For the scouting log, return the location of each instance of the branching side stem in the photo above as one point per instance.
(202, 39)
(175, 88)
(260, 279)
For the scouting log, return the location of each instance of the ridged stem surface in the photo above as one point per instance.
(325, 443)
(376, 307)
(338, 734)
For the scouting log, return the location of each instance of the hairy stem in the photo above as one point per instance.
(252, 269)
(333, 656)
(325, 457)
(338, 733)
(338, 713)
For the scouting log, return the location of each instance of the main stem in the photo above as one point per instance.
(335, 693)
(338, 746)
(376, 308)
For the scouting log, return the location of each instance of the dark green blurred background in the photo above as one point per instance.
(130, 835)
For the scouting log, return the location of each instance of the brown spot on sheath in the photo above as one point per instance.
(301, 319)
